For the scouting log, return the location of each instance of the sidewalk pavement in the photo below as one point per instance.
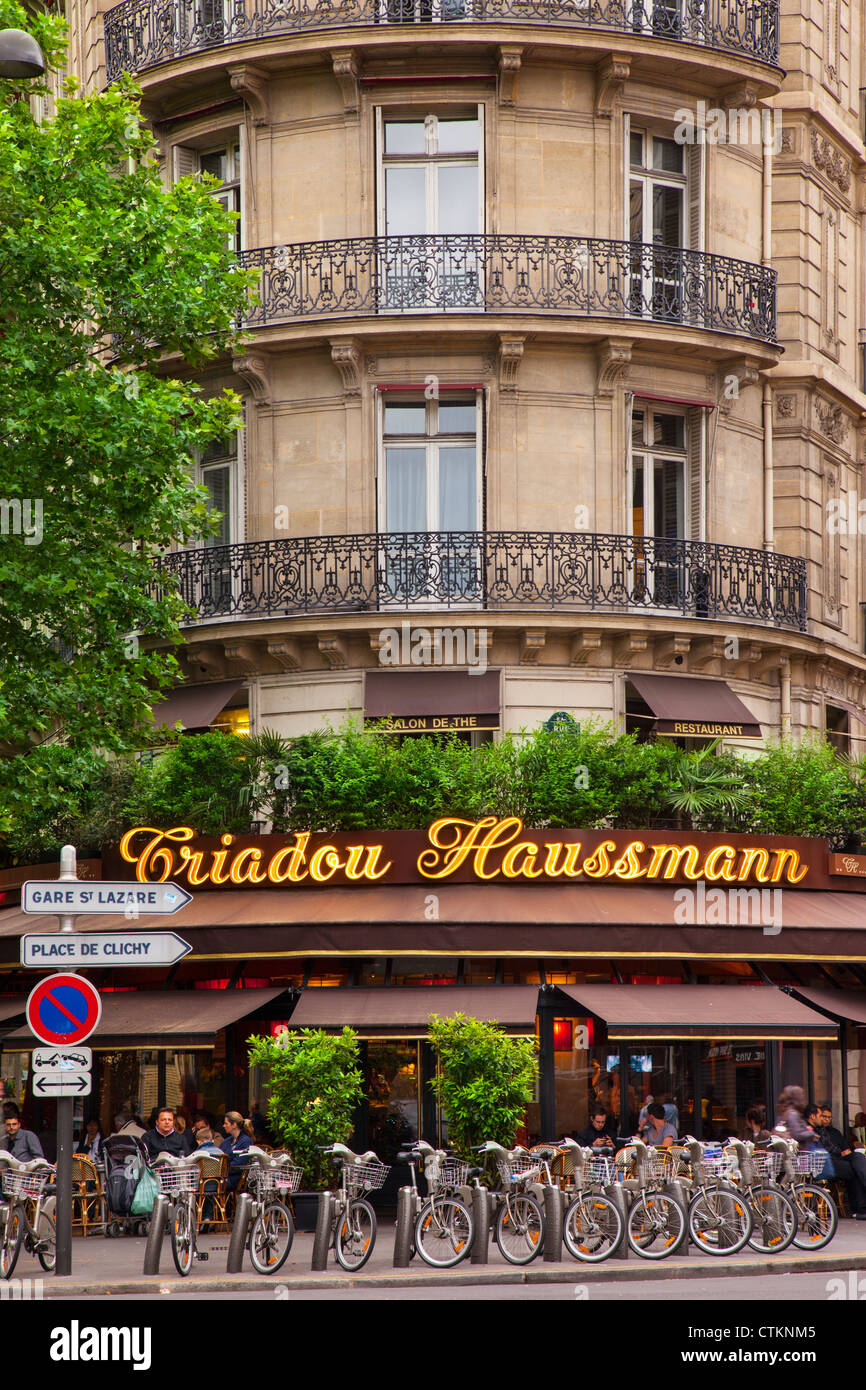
(103, 1267)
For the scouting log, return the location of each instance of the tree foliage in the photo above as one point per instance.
(484, 1080)
(105, 273)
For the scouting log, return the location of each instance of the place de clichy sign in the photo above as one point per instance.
(487, 850)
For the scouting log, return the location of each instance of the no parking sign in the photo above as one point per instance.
(63, 1009)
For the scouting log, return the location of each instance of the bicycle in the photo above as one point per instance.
(271, 1178)
(354, 1220)
(24, 1183)
(444, 1225)
(817, 1213)
(720, 1217)
(774, 1214)
(179, 1178)
(592, 1226)
(657, 1222)
(519, 1228)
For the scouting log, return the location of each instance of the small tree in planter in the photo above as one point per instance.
(316, 1086)
(484, 1081)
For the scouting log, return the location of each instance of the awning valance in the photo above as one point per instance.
(753, 1012)
(12, 1007)
(430, 693)
(689, 707)
(165, 1018)
(405, 1010)
(195, 706)
(847, 1004)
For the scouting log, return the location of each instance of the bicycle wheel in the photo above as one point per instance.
(817, 1216)
(443, 1231)
(774, 1220)
(46, 1236)
(356, 1234)
(656, 1226)
(592, 1228)
(11, 1235)
(182, 1239)
(720, 1221)
(520, 1229)
(271, 1238)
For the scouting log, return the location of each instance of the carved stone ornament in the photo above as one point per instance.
(254, 369)
(614, 355)
(346, 72)
(510, 357)
(830, 161)
(788, 140)
(348, 358)
(786, 407)
(252, 83)
(611, 75)
(509, 67)
(832, 421)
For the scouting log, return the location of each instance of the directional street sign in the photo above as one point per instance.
(62, 1083)
(63, 1010)
(55, 898)
(74, 949)
(61, 1059)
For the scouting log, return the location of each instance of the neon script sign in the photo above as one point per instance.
(469, 851)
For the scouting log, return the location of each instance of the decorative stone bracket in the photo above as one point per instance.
(614, 355)
(611, 75)
(509, 66)
(252, 84)
(532, 642)
(345, 64)
(333, 652)
(254, 369)
(348, 357)
(509, 358)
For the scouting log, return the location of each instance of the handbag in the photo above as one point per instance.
(146, 1193)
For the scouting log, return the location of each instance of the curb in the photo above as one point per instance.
(562, 1274)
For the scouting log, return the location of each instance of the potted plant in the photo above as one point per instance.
(484, 1080)
(316, 1087)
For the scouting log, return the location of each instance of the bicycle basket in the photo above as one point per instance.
(24, 1184)
(173, 1181)
(807, 1165)
(365, 1177)
(658, 1164)
(599, 1170)
(446, 1172)
(284, 1179)
(511, 1170)
(766, 1165)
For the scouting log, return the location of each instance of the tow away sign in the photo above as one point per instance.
(74, 949)
(63, 899)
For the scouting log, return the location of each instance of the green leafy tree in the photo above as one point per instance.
(484, 1079)
(316, 1087)
(105, 275)
(705, 789)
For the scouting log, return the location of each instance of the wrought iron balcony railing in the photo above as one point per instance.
(494, 570)
(501, 273)
(140, 34)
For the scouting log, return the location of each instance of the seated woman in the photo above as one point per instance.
(239, 1137)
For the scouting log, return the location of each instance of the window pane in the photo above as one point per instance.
(405, 201)
(667, 216)
(636, 147)
(667, 155)
(457, 489)
(637, 507)
(457, 419)
(456, 137)
(669, 431)
(405, 419)
(406, 489)
(458, 198)
(216, 162)
(404, 137)
(635, 212)
(218, 483)
(668, 499)
(637, 427)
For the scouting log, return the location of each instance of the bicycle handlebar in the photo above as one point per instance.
(180, 1160)
(32, 1165)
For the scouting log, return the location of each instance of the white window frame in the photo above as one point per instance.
(235, 464)
(186, 161)
(431, 441)
(653, 454)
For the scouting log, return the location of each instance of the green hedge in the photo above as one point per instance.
(355, 778)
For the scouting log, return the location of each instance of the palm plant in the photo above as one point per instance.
(704, 787)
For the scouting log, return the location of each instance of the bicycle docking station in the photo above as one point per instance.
(404, 1230)
(240, 1229)
(619, 1196)
(482, 1212)
(554, 1211)
(158, 1222)
(324, 1226)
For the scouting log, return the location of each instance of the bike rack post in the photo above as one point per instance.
(481, 1215)
(674, 1188)
(322, 1238)
(552, 1251)
(403, 1232)
(237, 1244)
(158, 1220)
(617, 1194)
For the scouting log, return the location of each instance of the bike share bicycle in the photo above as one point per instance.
(353, 1223)
(519, 1227)
(179, 1178)
(271, 1179)
(24, 1183)
(443, 1224)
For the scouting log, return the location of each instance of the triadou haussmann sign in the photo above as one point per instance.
(463, 851)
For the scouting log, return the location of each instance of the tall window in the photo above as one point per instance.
(664, 217)
(223, 161)
(657, 189)
(668, 502)
(430, 460)
(218, 473)
(658, 471)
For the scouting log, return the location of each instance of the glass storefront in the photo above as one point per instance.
(393, 1075)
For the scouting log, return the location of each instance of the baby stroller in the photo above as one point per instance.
(125, 1161)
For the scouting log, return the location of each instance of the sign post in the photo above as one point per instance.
(63, 1208)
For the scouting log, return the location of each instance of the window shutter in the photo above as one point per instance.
(185, 162)
(697, 196)
(696, 424)
(626, 183)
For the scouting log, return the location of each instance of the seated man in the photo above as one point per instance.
(20, 1143)
(849, 1164)
(600, 1133)
(164, 1138)
(658, 1132)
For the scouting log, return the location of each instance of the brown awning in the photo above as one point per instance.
(687, 706)
(406, 1011)
(753, 1012)
(430, 692)
(848, 1004)
(167, 1018)
(11, 1007)
(196, 706)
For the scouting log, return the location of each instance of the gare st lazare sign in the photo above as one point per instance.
(487, 850)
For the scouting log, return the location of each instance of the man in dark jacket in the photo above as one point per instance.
(849, 1165)
(20, 1143)
(600, 1133)
(165, 1139)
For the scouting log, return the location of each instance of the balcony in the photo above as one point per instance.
(493, 570)
(582, 277)
(141, 34)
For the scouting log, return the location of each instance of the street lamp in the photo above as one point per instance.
(20, 54)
